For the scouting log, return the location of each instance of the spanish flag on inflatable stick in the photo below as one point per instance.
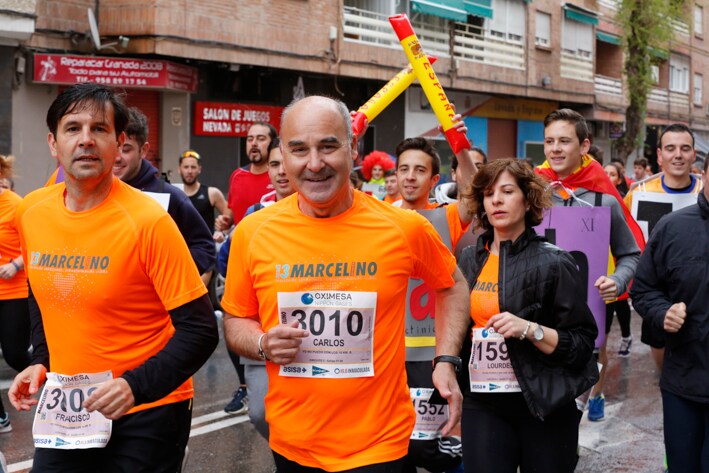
(384, 97)
(429, 81)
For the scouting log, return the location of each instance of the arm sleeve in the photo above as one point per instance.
(574, 321)
(650, 295)
(624, 248)
(194, 230)
(194, 340)
(40, 351)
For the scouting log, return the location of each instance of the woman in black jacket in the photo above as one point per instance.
(532, 334)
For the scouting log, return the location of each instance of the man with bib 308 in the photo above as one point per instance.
(317, 285)
(119, 312)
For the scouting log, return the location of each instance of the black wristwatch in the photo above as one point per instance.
(454, 360)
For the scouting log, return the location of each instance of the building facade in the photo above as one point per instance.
(203, 71)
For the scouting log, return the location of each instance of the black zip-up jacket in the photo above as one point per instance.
(541, 283)
(675, 268)
(189, 221)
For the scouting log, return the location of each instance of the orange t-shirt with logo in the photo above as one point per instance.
(105, 280)
(337, 424)
(484, 298)
(15, 287)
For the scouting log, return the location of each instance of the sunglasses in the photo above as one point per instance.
(189, 154)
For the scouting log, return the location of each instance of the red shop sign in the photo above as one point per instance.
(114, 71)
(232, 119)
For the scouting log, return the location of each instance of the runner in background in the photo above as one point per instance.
(576, 179)
(670, 294)
(248, 184)
(532, 333)
(675, 154)
(392, 186)
(117, 306)
(328, 320)
(14, 308)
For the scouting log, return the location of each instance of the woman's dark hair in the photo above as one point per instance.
(532, 186)
(623, 186)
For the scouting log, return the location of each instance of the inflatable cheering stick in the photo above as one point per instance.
(385, 96)
(427, 78)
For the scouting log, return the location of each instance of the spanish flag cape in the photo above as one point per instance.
(592, 177)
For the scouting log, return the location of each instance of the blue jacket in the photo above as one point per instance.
(191, 225)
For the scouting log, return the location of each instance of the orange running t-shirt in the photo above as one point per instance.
(391, 200)
(16, 287)
(484, 298)
(344, 423)
(105, 279)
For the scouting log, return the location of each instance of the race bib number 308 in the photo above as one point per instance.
(340, 343)
(490, 366)
(62, 422)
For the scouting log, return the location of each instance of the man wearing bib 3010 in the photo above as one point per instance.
(317, 285)
(119, 312)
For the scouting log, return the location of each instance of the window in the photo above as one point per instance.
(679, 74)
(698, 87)
(542, 36)
(698, 20)
(577, 38)
(507, 21)
(655, 73)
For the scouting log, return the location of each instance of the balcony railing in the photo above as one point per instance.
(368, 27)
(657, 95)
(469, 42)
(475, 44)
(609, 86)
(679, 100)
(679, 26)
(575, 66)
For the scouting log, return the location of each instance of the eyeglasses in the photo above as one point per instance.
(189, 154)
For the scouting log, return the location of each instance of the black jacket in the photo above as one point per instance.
(675, 268)
(541, 283)
(189, 221)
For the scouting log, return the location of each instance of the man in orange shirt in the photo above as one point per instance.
(418, 172)
(118, 309)
(316, 286)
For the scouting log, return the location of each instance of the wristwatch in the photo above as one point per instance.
(538, 333)
(454, 360)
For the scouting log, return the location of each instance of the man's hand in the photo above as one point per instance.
(112, 399)
(7, 271)
(25, 385)
(607, 288)
(282, 343)
(675, 317)
(223, 222)
(445, 381)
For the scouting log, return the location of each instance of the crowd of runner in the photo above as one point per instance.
(378, 321)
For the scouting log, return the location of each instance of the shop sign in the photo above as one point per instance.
(114, 71)
(232, 119)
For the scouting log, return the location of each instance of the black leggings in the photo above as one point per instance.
(622, 310)
(499, 443)
(686, 426)
(284, 465)
(15, 335)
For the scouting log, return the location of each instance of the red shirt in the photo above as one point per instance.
(246, 189)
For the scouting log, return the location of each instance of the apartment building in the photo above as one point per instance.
(202, 71)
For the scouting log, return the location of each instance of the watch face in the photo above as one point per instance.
(538, 333)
